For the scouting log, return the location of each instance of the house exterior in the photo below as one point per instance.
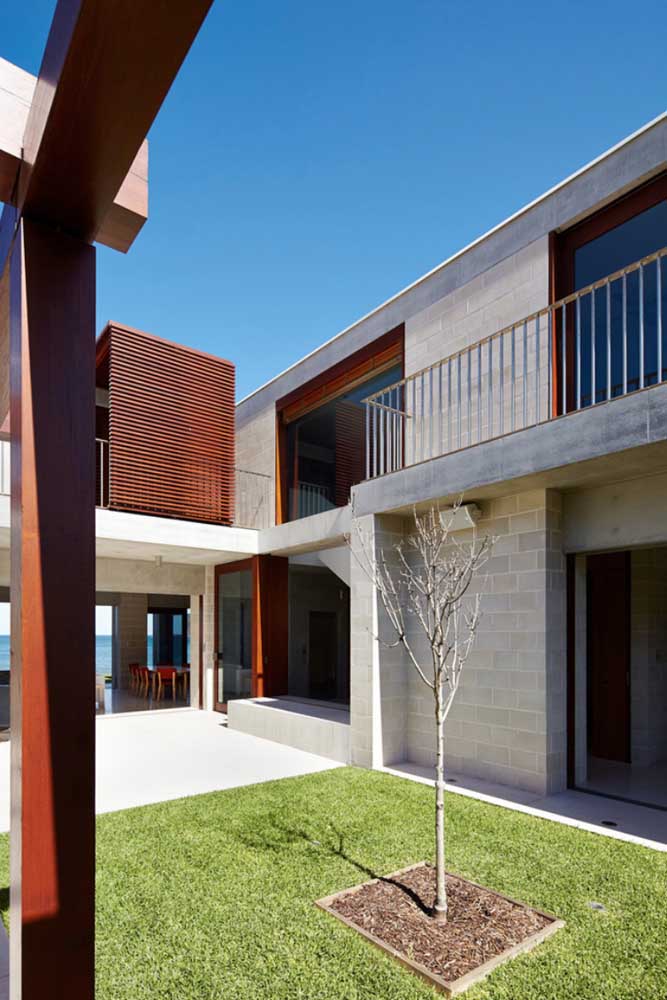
(524, 374)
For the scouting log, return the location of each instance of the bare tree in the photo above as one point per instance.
(426, 579)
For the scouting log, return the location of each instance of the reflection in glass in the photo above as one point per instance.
(326, 449)
(234, 673)
(607, 318)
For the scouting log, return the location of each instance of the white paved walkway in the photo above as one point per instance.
(626, 821)
(156, 756)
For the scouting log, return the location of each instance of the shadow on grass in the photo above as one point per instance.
(282, 836)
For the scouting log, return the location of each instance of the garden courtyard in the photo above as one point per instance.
(212, 896)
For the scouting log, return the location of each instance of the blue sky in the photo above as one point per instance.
(312, 159)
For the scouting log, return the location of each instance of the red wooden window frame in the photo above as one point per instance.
(381, 354)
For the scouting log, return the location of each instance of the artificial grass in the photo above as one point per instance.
(212, 896)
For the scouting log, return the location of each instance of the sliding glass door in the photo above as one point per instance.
(234, 633)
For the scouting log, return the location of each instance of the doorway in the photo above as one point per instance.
(233, 633)
(322, 654)
(617, 679)
(608, 655)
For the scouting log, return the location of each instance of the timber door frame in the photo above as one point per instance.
(269, 624)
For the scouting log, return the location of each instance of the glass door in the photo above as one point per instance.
(234, 639)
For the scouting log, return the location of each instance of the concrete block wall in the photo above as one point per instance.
(507, 292)
(130, 624)
(256, 449)
(648, 681)
(378, 674)
(508, 721)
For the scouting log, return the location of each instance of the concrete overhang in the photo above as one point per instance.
(622, 439)
(308, 534)
(139, 536)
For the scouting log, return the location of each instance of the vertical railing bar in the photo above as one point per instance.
(641, 326)
(513, 378)
(449, 405)
(376, 431)
(537, 369)
(414, 421)
(422, 447)
(608, 308)
(578, 351)
(396, 458)
(525, 373)
(593, 351)
(382, 413)
(430, 411)
(563, 361)
(658, 291)
(459, 398)
(625, 333)
(390, 432)
(368, 434)
(440, 408)
(490, 389)
(501, 386)
(479, 392)
(469, 381)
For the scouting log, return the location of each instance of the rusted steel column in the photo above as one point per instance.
(52, 406)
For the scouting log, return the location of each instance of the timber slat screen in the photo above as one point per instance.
(171, 428)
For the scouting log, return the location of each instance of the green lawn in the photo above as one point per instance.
(212, 897)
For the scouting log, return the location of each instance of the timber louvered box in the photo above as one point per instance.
(171, 427)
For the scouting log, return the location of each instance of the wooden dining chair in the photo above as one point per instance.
(134, 676)
(165, 677)
(144, 681)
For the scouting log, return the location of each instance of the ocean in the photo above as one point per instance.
(102, 653)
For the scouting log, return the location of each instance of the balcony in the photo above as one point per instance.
(600, 343)
(252, 490)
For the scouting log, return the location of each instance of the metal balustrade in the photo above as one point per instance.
(604, 341)
(253, 499)
(309, 498)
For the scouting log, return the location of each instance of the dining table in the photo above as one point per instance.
(182, 676)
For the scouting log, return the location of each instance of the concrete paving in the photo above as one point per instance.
(156, 756)
(637, 824)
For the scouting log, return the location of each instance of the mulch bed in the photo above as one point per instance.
(481, 926)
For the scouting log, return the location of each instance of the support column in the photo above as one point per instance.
(208, 636)
(131, 621)
(378, 674)
(195, 648)
(52, 385)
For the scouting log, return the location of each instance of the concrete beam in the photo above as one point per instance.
(622, 439)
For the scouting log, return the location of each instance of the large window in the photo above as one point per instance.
(323, 431)
(620, 327)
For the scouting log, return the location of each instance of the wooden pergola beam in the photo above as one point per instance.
(107, 67)
(106, 70)
(129, 209)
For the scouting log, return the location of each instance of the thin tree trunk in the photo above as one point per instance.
(440, 907)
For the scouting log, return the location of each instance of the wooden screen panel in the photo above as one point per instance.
(350, 449)
(171, 429)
